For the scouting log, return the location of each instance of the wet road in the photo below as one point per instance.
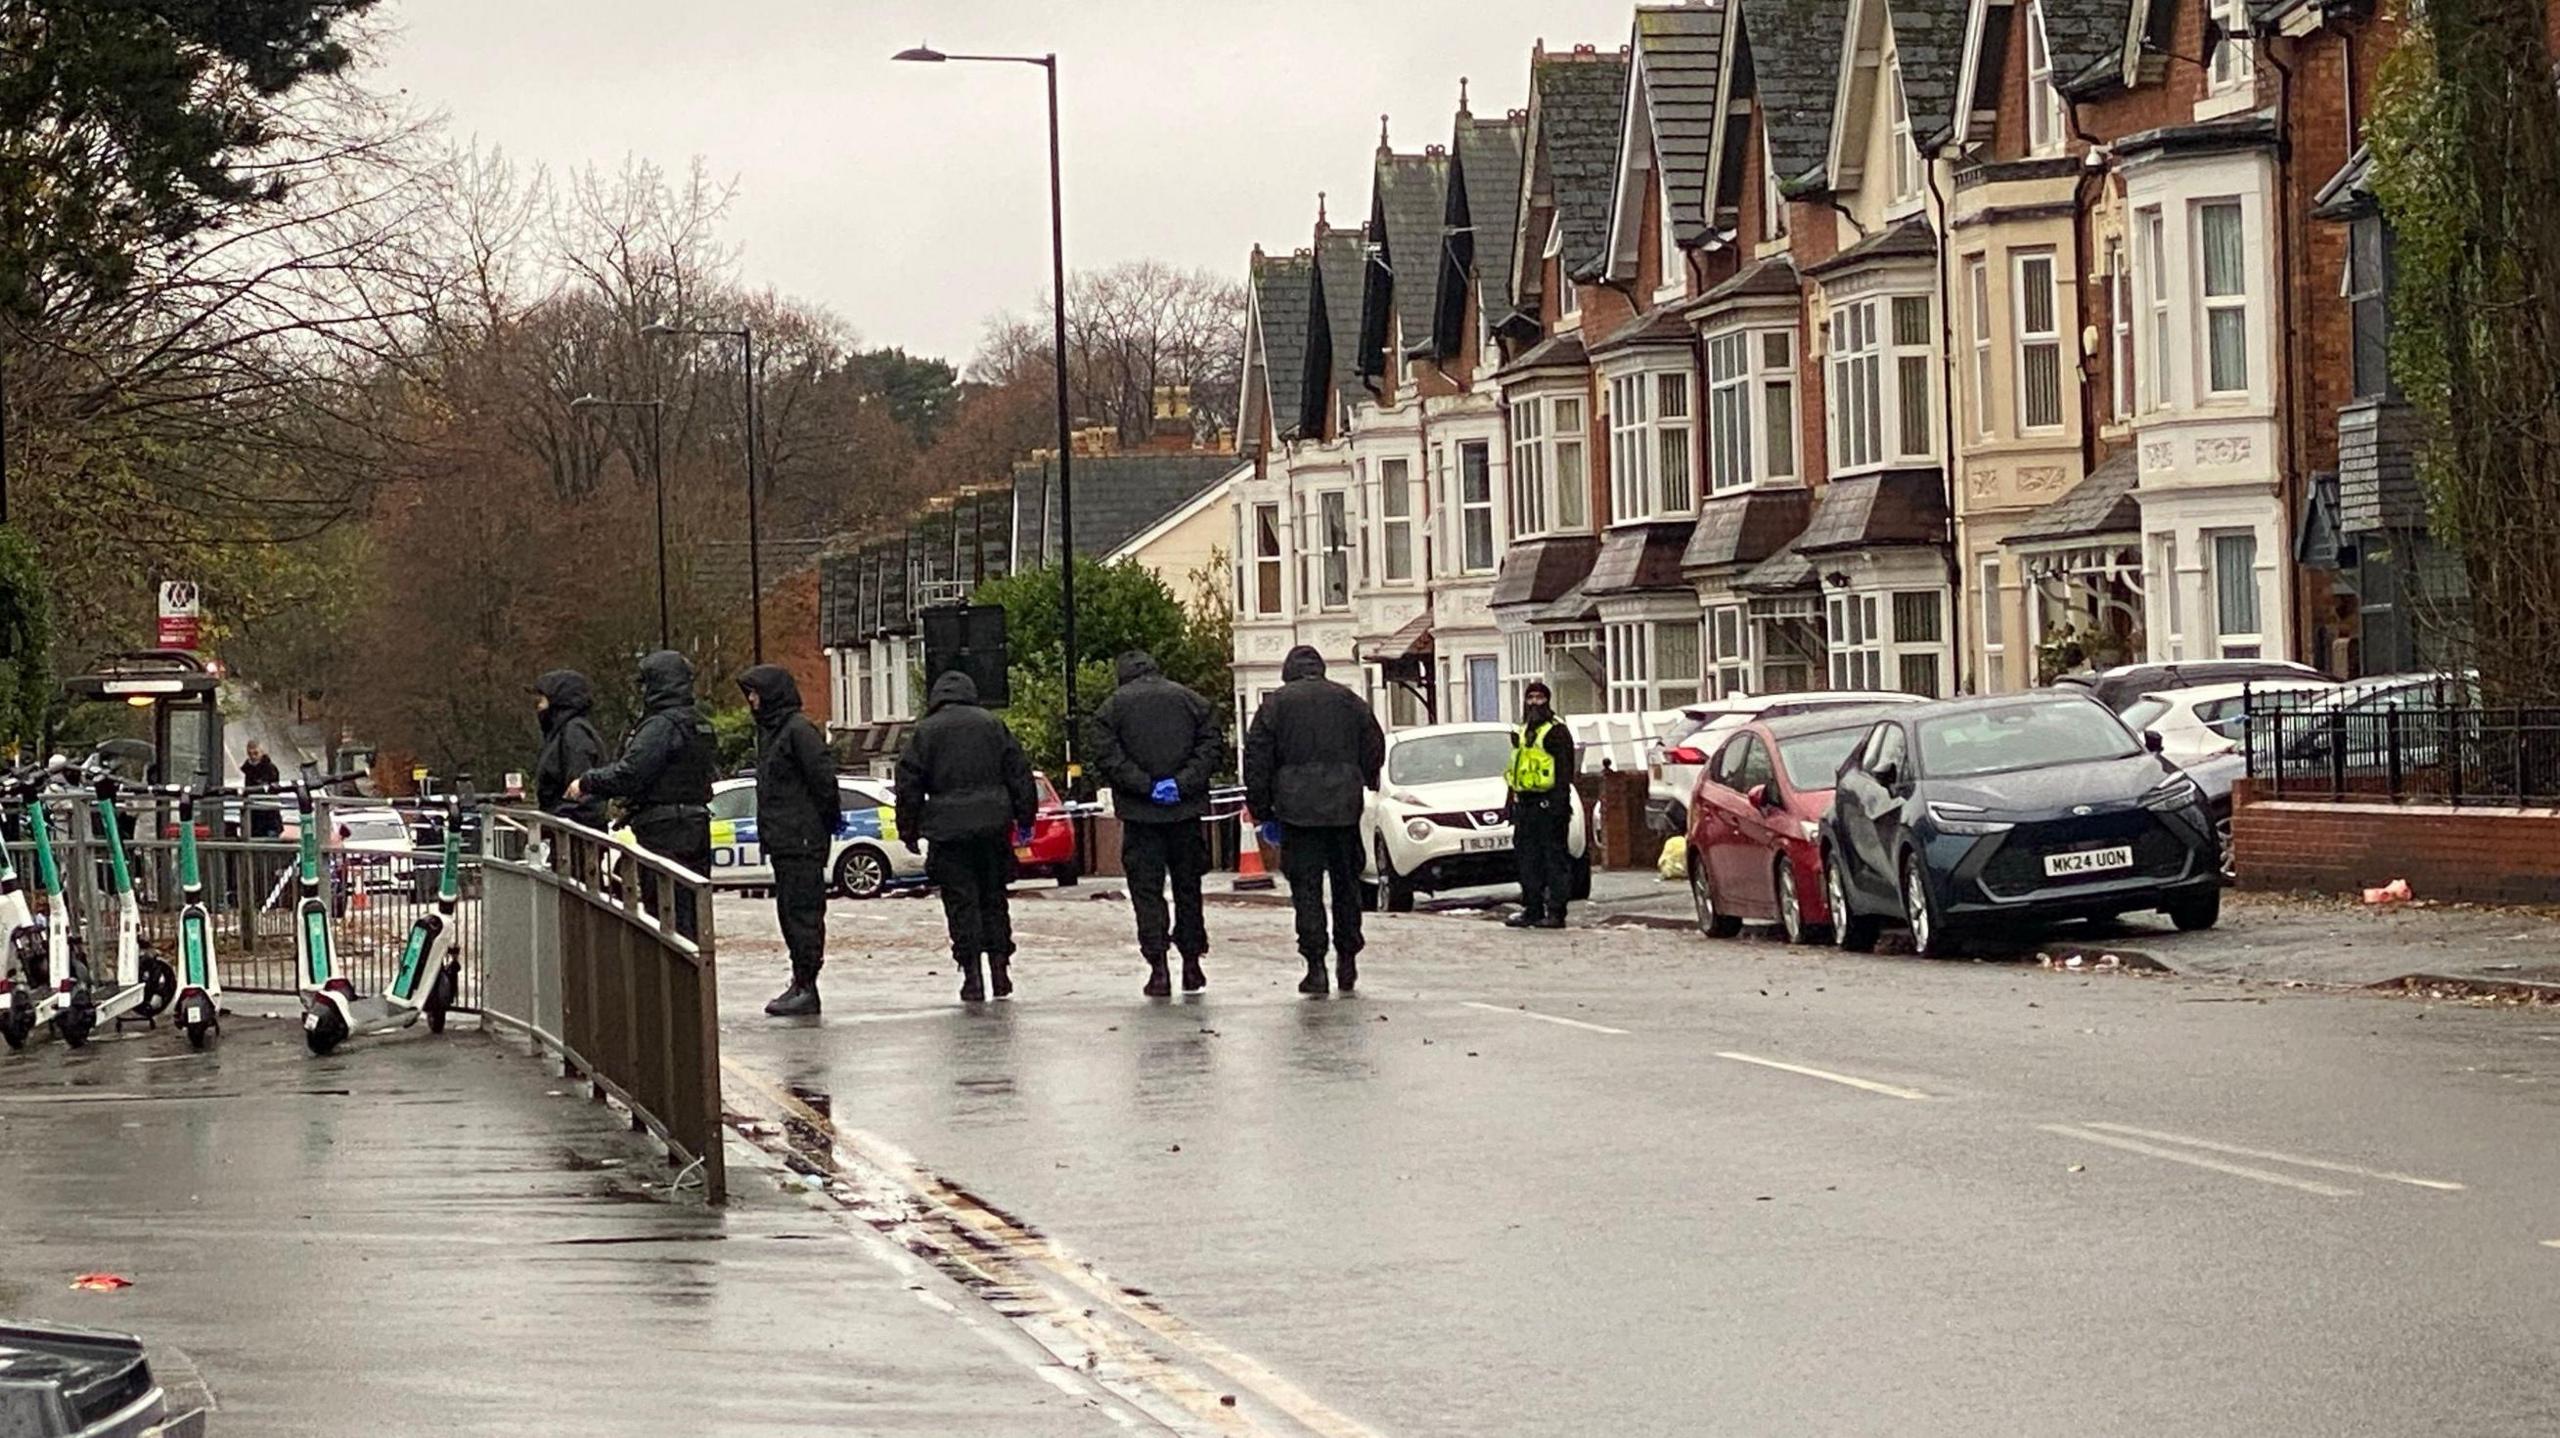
(1628, 1182)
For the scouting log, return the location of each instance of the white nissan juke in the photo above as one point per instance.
(1436, 822)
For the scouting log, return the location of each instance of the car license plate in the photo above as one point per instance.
(1482, 844)
(1022, 851)
(2088, 861)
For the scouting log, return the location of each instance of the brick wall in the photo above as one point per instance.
(2479, 855)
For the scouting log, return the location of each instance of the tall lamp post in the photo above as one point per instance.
(657, 409)
(924, 54)
(745, 335)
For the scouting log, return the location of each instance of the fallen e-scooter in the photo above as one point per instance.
(432, 937)
(332, 1010)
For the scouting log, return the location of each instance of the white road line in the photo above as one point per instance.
(2551, 1243)
(1870, 1085)
(1542, 1018)
(2441, 1185)
(2218, 1166)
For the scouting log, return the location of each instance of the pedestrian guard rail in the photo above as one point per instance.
(2400, 742)
(603, 953)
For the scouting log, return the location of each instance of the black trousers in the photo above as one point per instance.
(1314, 858)
(972, 874)
(1151, 854)
(1539, 838)
(800, 903)
(683, 835)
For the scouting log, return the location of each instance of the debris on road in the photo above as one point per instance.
(101, 1282)
(2395, 892)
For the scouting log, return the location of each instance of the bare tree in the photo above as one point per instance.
(1132, 330)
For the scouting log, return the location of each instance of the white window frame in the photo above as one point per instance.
(1630, 446)
(1906, 150)
(2154, 262)
(1529, 482)
(1471, 510)
(1773, 195)
(1332, 548)
(1272, 562)
(1745, 385)
(1977, 288)
(1576, 442)
(2235, 643)
(2120, 330)
(2169, 582)
(2045, 124)
(2022, 264)
(1726, 642)
(1653, 459)
(1868, 369)
(1675, 450)
(2209, 304)
(1396, 531)
(1993, 622)
(1679, 663)
(2232, 65)
(1627, 650)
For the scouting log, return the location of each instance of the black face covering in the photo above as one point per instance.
(1536, 714)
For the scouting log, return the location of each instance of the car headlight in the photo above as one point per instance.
(2176, 793)
(1417, 829)
(1952, 818)
(1812, 830)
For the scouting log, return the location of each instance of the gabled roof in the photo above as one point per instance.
(2087, 38)
(1679, 50)
(1118, 496)
(1795, 70)
(1909, 239)
(1283, 291)
(1407, 201)
(1928, 43)
(1483, 214)
(1333, 326)
(1575, 103)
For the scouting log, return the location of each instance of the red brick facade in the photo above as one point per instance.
(2472, 855)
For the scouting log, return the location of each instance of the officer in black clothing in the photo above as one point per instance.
(665, 772)
(797, 811)
(570, 746)
(1157, 744)
(1540, 805)
(1314, 746)
(964, 793)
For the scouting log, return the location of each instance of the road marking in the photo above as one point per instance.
(2551, 1243)
(1870, 1085)
(2218, 1166)
(2439, 1184)
(926, 1216)
(1542, 1018)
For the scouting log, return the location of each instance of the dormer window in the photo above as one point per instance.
(1773, 198)
(2233, 67)
(1568, 297)
(2044, 100)
(1906, 153)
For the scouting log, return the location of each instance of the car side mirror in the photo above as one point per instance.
(2151, 740)
(1759, 796)
(1684, 754)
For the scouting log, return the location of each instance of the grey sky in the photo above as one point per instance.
(912, 199)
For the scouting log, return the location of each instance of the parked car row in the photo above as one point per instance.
(868, 856)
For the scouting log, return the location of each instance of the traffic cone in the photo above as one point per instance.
(1250, 875)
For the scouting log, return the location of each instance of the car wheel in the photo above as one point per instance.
(861, 873)
(1712, 922)
(1398, 894)
(2222, 843)
(1790, 903)
(2197, 912)
(1850, 929)
(1920, 912)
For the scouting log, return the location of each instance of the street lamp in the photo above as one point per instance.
(927, 55)
(745, 335)
(657, 409)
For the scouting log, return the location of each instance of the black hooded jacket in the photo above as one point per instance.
(1314, 746)
(670, 758)
(797, 807)
(962, 774)
(1152, 728)
(570, 747)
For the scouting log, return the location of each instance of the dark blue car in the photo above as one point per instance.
(1975, 813)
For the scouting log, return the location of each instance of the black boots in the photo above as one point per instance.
(1525, 919)
(972, 988)
(800, 1001)
(1159, 983)
(1000, 970)
(1315, 982)
(1552, 921)
(1193, 981)
(1346, 972)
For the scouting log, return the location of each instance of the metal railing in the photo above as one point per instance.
(2417, 744)
(604, 955)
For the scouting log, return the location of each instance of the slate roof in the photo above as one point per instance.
(2086, 37)
(1561, 350)
(1910, 239)
(2348, 193)
(1117, 497)
(1780, 573)
(1746, 528)
(1484, 204)
(1681, 47)
(1898, 506)
(1333, 343)
(1652, 329)
(1283, 291)
(1774, 276)
(1540, 571)
(1580, 97)
(1928, 42)
(2101, 503)
(1640, 557)
(1795, 67)
(1408, 201)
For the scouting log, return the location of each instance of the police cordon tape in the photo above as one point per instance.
(1225, 802)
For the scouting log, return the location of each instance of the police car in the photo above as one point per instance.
(866, 859)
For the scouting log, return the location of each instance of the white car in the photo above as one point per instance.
(1436, 821)
(2199, 723)
(1701, 729)
(865, 861)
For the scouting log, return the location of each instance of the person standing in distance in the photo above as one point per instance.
(797, 811)
(1156, 743)
(1313, 747)
(259, 771)
(570, 746)
(664, 774)
(964, 792)
(1540, 807)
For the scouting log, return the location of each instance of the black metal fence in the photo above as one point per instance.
(2402, 741)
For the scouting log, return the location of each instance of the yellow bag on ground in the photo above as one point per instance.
(1674, 863)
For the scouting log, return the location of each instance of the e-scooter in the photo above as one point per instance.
(27, 994)
(144, 982)
(199, 1007)
(332, 1010)
(431, 938)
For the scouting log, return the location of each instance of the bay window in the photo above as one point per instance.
(1529, 466)
(2237, 628)
(1475, 508)
(1395, 508)
(1674, 482)
(1651, 664)
(1888, 639)
(1912, 368)
(1333, 553)
(1630, 667)
(2039, 345)
(1675, 664)
(2155, 264)
(1729, 649)
(2120, 328)
(1267, 562)
(1857, 388)
(1865, 388)
(1630, 459)
(1977, 290)
(1550, 484)
(2223, 265)
(1751, 408)
(1650, 470)
(1570, 468)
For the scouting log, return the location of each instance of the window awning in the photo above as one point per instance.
(2101, 504)
(1409, 642)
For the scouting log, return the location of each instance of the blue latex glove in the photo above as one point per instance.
(1021, 835)
(1166, 792)
(1269, 829)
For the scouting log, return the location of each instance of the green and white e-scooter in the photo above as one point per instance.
(199, 1006)
(332, 1010)
(28, 995)
(144, 982)
(430, 946)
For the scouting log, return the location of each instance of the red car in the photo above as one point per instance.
(1754, 848)
(1051, 854)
